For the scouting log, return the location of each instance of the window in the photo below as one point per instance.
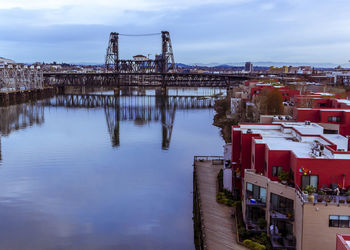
(339, 221)
(276, 170)
(256, 192)
(263, 195)
(309, 180)
(282, 204)
(334, 119)
(249, 187)
(291, 176)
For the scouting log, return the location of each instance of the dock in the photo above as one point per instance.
(216, 230)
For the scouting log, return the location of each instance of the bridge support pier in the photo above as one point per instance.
(117, 91)
(163, 91)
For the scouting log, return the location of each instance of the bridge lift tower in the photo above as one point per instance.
(162, 64)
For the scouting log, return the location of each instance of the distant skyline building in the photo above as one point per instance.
(248, 67)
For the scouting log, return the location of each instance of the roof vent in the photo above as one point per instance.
(249, 131)
(307, 123)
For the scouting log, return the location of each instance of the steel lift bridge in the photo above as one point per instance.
(159, 72)
(163, 63)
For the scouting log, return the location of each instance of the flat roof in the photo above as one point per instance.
(322, 110)
(344, 101)
(279, 136)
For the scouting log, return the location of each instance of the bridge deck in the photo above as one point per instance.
(216, 218)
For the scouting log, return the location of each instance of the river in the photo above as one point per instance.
(78, 175)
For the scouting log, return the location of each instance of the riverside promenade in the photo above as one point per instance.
(217, 229)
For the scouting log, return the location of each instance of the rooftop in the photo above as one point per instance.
(324, 110)
(344, 101)
(304, 140)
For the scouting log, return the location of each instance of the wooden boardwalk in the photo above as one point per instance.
(217, 223)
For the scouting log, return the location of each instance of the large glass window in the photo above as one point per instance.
(282, 204)
(334, 119)
(263, 195)
(283, 227)
(339, 221)
(276, 170)
(256, 192)
(309, 180)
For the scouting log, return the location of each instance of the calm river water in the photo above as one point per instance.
(80, 175)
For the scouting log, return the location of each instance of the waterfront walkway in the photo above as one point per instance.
(219, 228)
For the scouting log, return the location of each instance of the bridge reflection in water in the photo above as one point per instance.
(141, 109)
(18, 117)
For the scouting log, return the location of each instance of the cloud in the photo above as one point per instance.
(267, 6)
(207, 30)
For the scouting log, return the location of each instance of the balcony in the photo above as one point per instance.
(255, 202)
(255, 219)
(327, 199)
(280, 242)
(254, 226)
(282, 214)
(330, 198)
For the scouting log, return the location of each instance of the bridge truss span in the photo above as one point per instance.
(111, 79)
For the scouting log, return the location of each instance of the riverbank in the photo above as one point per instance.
(221, 120)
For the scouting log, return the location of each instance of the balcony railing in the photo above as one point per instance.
(279, 242)
(254, 226)
(282, 214)
(327, 199)
(255, 202)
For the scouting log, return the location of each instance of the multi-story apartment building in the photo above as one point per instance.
(309, 158)
(331, 113)
(287, 93)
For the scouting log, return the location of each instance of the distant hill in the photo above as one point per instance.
(275, 64)
(237, 65)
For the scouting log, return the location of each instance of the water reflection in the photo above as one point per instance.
(140, 109)
(63, 186)
(18, 117)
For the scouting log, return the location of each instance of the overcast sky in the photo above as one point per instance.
(202, 31)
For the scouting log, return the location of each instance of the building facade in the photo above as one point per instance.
(309, 158)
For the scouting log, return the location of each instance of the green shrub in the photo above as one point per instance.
(262, 239)
(243, 233)
(221, 180)
(225, 197)
(237, 204)
(253, 245)
(310, 189)
(262, 223)
(248, 243)
(283, 175)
